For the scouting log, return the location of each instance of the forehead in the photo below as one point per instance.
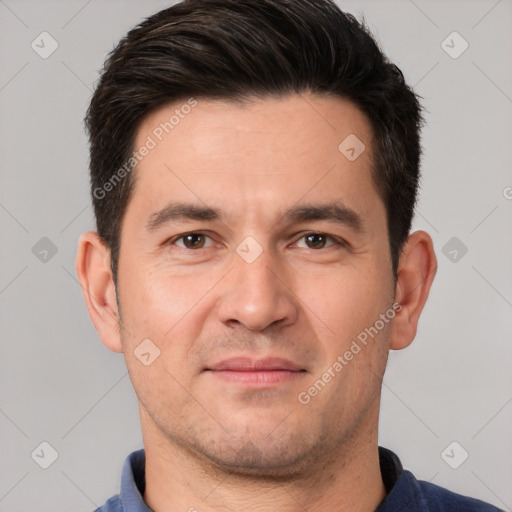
(299, 123)
(263, 154)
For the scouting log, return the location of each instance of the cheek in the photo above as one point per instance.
(350, 303)
(345, 301)
(170, 310)
(155, 299)
(166, 310)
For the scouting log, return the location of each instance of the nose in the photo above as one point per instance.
(257, 295)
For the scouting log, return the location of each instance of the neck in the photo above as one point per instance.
(348, 479)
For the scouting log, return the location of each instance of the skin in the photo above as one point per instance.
(214, 444)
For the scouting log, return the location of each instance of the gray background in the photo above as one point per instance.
(59, 384)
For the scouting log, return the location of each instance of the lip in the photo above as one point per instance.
(265, 372)
(247, 364)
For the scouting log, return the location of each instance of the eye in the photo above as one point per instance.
(319, 241)
(191, 241)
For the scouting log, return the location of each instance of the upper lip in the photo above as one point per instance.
(248, 364)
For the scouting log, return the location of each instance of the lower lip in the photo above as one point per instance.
(258, 378)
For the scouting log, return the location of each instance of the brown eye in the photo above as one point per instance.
(316, 240)
(319, 241)
(193, 240)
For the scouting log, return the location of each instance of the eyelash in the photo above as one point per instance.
(336, 241)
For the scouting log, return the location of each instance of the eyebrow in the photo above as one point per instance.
(181, 211)
(335, 212)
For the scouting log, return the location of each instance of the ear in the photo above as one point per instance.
(416, 270)
(95, 276)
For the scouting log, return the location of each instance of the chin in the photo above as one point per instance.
(261, 454)
(251, 462)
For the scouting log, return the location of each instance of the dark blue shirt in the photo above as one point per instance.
(404, 492)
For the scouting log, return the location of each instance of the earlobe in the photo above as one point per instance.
(95, 276)
(416, 270)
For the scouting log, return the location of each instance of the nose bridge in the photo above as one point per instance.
(254, 294)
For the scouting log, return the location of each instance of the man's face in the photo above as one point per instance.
(261, 298)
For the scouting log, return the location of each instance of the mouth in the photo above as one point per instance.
(257, 372)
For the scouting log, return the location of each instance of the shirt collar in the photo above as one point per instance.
(402, 489)
(133, 483)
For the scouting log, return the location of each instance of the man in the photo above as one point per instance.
(254, 170)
